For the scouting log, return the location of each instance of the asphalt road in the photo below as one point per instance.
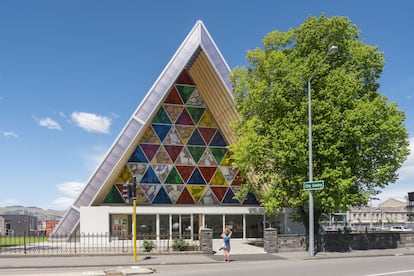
(370, 266)
(373, 266)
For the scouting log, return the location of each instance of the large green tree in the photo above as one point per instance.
(359, 138)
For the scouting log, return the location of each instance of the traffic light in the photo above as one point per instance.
(125, 192)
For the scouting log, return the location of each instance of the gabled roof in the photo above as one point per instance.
(200, 57)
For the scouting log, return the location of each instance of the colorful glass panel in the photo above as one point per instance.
(149, 150)
(195, 113)
(207, 133)
(218, 153)
(185, 171)
(161, 117)
(185, 91)
(162, 197)
(218, 140)
(207, 159)
(229, 198)
(125, 176)
(219, 192)
(173, 97)
(208, 198)
(174, 191)
(161, 130)
(162, 171)
(181, 158)
(218, 179)
(185, 197)
(138, 156)
(185, 158)
(173, 138)
(196, 178)
(174, 178)
(207, 120)
(161, 157)
(196, 191)
(173, 151)
(184, 118)
(207, 172)
(114, 196)
(196, 99)
(150, 137)
(251, 200)
(185, 132)
(150, 177)
(196, 139)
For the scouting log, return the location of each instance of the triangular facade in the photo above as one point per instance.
(172, 150)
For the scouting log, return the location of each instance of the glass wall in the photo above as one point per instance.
(146, 227)
(164, 226)
(214, 222)
(235, 223)
(254, 226)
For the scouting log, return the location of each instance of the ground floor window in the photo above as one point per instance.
(187, 226)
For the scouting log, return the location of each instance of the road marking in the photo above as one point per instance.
(391, 273)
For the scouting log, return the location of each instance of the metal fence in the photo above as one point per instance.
(95, 244)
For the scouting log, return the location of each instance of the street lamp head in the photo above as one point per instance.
(332, 50)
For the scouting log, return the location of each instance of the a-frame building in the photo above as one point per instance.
(172, 157)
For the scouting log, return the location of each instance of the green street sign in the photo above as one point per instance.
(314, 185)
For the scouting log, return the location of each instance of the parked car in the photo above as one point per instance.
(400, 228)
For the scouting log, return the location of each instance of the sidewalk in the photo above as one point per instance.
(182, 258)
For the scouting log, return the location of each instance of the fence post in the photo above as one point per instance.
(270, 238)
(206, 240)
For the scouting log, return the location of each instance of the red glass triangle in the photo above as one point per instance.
(150, 150)
(185, 171)
(185, 197)
(173, 151)
(173, 97)
(207, 172)
(238, 180)
(207, 133)
(219, 192)
(184, 119)
(184, 78)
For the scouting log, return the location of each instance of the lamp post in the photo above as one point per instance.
(332, 50)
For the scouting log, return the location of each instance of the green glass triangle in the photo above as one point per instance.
(161, 117)
(218, 153)
(113, 196)
(195, 113)
(185, 91)
(173, 178)
(196, 152)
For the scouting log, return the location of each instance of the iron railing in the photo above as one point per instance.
(95, 244)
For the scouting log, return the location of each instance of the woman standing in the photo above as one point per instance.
(226, 235)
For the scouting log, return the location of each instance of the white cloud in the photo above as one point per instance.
(407, 170)
(71, 190)
(49, 123)
(91, 122)
(9, 134)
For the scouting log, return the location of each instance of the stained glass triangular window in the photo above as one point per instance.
(150, 177)
(162, 197)
(161, 117)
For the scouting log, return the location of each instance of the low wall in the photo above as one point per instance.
(339, 242)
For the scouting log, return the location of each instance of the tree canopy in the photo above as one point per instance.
(359, 138)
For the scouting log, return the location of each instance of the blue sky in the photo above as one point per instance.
(73, 72)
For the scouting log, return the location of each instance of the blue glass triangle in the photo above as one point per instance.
(150, 177)
(196, 178)
(161, 130)
(251, 200)
(196, 139)
(228, 198)
(138, 156)
(218, 140)
(162, 197)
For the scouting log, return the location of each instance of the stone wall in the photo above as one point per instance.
(338, 242)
